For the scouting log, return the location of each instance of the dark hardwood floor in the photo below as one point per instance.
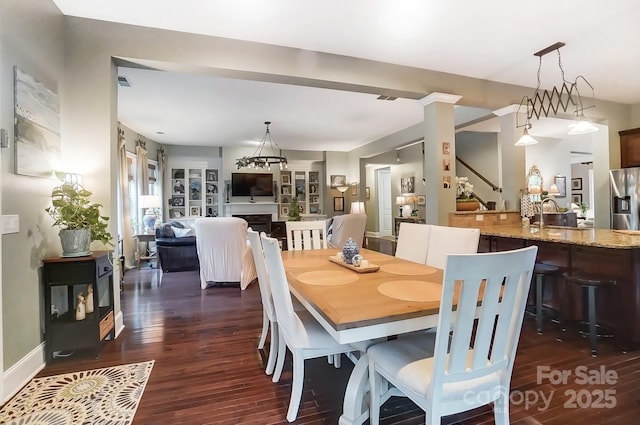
(209, 371)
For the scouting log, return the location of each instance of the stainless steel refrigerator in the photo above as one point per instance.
(625, 198)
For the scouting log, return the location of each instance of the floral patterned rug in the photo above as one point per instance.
(108, 396)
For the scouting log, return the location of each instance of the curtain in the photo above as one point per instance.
(162, 170)
(127, 228)
(142, 169)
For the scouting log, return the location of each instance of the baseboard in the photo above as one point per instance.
(119, 323)
(18, 375)
(373, 234)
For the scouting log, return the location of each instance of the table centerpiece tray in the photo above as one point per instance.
(369, 269)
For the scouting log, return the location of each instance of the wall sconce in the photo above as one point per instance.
(544, 102)
(342, 190)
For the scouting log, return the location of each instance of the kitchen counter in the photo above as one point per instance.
(612, 253)
(604, 238)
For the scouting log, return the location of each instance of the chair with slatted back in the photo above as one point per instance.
(413, 242)
(268, 312)
(466, 363)
(445, 240)
(297, 331)
(303, 235)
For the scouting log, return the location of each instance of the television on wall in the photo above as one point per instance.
(251, 184)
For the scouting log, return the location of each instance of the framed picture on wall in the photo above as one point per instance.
(576, 198)
(422, 200)
(367, 193)
(354, 189)
(561, 184)
(576, 183)
(338, 203)
(407, 184)
(338, 181)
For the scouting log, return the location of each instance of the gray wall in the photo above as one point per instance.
(32, 39)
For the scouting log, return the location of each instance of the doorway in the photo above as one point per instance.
(383, 178)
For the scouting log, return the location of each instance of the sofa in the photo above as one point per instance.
(176, 246)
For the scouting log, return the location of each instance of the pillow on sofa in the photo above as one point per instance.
(182, 233)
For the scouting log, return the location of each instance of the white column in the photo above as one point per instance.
(439, 145)
(511, 158)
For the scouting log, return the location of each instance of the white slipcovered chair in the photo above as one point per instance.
(343, 227)
(223, 251)
(413, 242)
(445, 240)
(297, 331)
(302, 235)
(446, 374)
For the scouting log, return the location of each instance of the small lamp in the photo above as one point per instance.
(400, 203)
(149, 202)
(357, 207)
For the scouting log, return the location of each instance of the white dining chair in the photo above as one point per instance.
(297, 331)
(413, 242)
(465, 364)
(445, 240)
(306, 235)
(269, 321)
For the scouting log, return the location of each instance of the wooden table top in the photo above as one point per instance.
(345, 299)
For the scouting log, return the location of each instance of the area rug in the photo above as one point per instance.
(108, 396)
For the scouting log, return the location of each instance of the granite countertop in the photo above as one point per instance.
(485, 212)
(605, 238)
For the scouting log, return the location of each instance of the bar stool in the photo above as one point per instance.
(589, 284)
(541, 274)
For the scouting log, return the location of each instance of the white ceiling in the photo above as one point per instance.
(488, 40)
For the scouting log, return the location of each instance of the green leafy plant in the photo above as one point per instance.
(584, 207)
(294, 210)
(72, 209)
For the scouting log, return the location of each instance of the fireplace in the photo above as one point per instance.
(257, 222)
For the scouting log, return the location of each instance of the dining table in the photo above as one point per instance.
(389, 297)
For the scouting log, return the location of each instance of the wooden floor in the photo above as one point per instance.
(209, 371)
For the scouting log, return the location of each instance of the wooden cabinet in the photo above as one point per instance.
(64, 279)
(193, 192)
(630, 148)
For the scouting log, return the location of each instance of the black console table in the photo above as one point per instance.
(65, 278)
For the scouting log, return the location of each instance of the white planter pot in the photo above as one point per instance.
(75, 243)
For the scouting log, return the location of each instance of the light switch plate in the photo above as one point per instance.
(10, 223)
(479, 217)
(503, 216)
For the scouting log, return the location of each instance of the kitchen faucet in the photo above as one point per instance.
(541, 222)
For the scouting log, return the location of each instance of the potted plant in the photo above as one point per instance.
(79, 219)
(294, 210)
(465, 201)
